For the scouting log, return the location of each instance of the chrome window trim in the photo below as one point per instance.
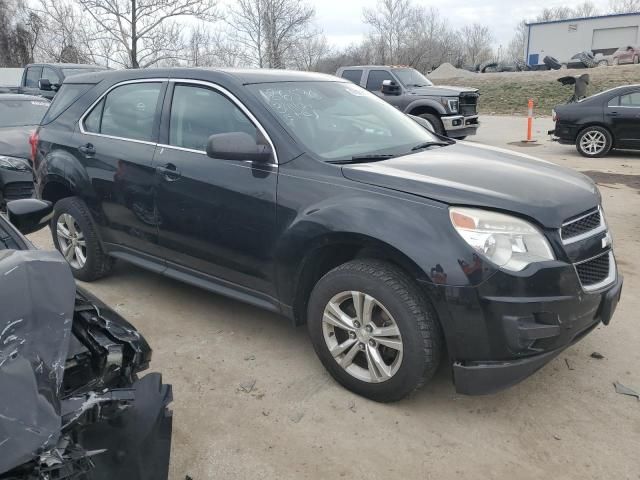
(238, 104)
(601, 228)
(611, 277)
(104, 94)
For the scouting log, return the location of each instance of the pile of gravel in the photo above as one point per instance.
(446, 70)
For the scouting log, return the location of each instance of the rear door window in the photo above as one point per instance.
(128, 111)
(630, 100)
(32, 77)
(51, 75)
(353, 76)
(375, 79)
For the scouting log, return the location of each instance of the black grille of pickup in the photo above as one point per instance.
(468, 104)
(18, 190)
(589, 222)
(594, 271)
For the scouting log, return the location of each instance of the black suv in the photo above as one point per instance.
(309, 196)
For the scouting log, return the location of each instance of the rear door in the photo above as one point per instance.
(53, 77)
(217, 216)
(624, 114)
(116, 142)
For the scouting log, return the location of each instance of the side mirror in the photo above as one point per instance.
(389, 87)
(45, 84)
(237, 146)
(29, 215)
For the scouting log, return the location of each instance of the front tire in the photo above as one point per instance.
(594, 142)
(76, 238)
(374, 330)
(435, 122)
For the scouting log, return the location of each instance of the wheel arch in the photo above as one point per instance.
(582, 128)
(419, 107)
(62, 175)
(333, 250)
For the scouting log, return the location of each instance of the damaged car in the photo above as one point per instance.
(72, 403)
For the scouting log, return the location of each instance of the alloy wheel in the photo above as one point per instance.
(593, 142)
(362, 336)
(71, 241)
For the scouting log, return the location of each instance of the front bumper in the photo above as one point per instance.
(549, 325)
(460, 126)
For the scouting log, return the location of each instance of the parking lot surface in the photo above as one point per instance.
(252, 401)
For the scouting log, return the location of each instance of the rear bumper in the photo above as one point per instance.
(485, 377)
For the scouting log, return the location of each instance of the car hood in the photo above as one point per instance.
(475, 175)
(442, 90)
(14, 141)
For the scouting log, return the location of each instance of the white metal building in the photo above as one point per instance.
(562, 39)
(10, 76)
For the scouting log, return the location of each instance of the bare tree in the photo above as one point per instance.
(268, 30)
(310, 50)
(145, 31)
(624, 6)
(211, 48)
(390, 21)
(585, 9)
(476, 42)
(18, 34)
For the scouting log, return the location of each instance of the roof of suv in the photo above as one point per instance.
(244, 76)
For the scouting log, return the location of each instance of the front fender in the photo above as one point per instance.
(426, 102)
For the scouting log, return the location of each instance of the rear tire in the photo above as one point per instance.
(435, 122)
(397, 308)
(594, 142)
(75, 237)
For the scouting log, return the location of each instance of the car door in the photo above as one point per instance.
(374, 85)
(31, 78)
(217, 216)
(115, 142)
(624, 114)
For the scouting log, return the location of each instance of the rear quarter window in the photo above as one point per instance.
(65, 97)
(353, 76)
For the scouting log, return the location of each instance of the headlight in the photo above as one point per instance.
(453, 105)
(12, 163)
(507, 241)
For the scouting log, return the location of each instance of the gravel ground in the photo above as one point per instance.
(252, 400)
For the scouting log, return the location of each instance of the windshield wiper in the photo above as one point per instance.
(372, 157)
(430, 144)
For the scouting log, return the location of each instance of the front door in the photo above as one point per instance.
(217, 216)
(625, 118)
(116, 144)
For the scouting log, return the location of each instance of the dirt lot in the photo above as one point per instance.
(507, 93)
(252, 401)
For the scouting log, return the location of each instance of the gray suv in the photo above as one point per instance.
(450, 111)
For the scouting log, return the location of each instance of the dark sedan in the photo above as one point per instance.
(597, 124)
(19, 117)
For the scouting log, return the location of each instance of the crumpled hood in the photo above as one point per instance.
(14, 141)
(37, 295)
(442, 90)
(476, 175)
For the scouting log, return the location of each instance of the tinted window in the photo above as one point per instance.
(375, 79)
(67, 94)
(127, 111)
(51, 75)
(33, 75)
(353, 76)
(16, 113)
(630, 100)
(199, 112)
(614, 102)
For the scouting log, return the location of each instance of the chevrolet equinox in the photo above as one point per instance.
(306, 195)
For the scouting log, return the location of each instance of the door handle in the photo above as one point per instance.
(88, 149)
(169, 172)
(612, 114)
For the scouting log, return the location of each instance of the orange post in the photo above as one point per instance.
(530, 121)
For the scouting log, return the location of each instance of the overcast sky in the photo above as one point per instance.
(341, 20)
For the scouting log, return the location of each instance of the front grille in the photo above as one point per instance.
(468, 104)
(582, 225)
(594, 271)
(18, 190)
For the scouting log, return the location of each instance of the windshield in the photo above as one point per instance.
(412, 78)
(339, 120)
(19, 113)
(69, 72)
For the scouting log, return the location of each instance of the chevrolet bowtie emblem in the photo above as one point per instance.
(606, 241)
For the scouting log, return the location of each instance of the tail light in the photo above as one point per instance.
(33, 141)
(554, 115)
